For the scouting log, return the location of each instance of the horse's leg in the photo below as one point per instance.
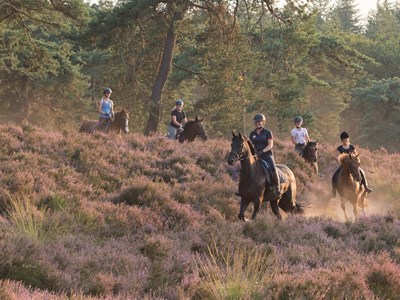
(243, 207)
(362, 202)
(275, 208)
(257, 203)
(343, 205)
(316, 168)
(355, 209)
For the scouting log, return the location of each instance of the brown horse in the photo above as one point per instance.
(191, 130)
(255, 182)
(310, 154)
(117, 125)
(349, 183)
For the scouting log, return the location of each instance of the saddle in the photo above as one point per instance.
(105, 125)
(268, 171)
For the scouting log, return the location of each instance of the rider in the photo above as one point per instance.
(178, 120)
(347, 148)
(263, 142)
(299, 135)
(105, 107)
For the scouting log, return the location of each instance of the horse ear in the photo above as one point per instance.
(316, 141)
(234, 133)
(196, 119)
(240, 135)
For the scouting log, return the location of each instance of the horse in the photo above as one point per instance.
(192, 129)
(116, 125)
(310, 154)
(255, 183)
(349, 185)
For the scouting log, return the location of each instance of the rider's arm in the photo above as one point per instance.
(269, 146)
(174, 121)
(307, 137)
(293, 141)
(99, 106)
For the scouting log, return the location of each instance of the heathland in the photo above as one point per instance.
(102, 217)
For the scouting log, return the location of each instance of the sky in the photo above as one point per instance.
(363, 5)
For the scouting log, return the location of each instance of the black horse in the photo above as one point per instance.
(310, 154)
(191, 130)
(255, 184)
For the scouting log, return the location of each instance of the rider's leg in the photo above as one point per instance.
(364, 182)
(275, 177)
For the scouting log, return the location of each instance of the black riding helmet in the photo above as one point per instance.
(298, 119)
(344, 135)
(259, 118)
(107, 91)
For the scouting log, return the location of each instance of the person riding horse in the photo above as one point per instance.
(347, 148)
(263, 142)
(299, 135)
(178, 120)
(105, 108)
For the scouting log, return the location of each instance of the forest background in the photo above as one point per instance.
(226, 59)
(141, 217)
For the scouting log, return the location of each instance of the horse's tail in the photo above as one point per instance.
(300, 208)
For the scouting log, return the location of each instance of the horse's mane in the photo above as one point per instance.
(251, 146)
(346, 157)
(189, 124)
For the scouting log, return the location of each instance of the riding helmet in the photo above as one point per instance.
(344, 135)
(298, 119)
(179, 102)
(107, 91)
(259, 118)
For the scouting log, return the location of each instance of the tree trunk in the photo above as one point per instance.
(162, 76)
(26, 105)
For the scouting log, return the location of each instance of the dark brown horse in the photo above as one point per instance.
(255, 184)
(191, 130)
(349, 183)
(310, 154)
(117, 125)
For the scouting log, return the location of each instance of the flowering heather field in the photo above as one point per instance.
(101, 217)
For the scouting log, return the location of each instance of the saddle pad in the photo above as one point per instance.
(268, 171)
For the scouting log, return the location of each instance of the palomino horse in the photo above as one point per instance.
(310, 154)
(120, 123)
(349, 183)
(255, 184)
(191, 130)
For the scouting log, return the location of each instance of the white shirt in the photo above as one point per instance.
(299, 135)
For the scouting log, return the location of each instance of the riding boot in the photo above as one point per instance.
(277, 184)
(364, 182)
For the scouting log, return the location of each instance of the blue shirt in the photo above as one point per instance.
(260, 140)
(105, 108)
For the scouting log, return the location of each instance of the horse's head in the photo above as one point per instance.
(199, 129)
(352, 161)
(121, 120)
(310, 151)
(238, 148)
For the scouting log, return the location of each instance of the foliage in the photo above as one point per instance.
(373, 111)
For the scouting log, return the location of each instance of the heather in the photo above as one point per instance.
(101, 217)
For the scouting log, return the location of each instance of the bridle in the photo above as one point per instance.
(242, 155)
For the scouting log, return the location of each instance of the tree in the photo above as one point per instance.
(37, 59)
(373, 114)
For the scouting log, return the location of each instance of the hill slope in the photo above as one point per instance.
(144, 217)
